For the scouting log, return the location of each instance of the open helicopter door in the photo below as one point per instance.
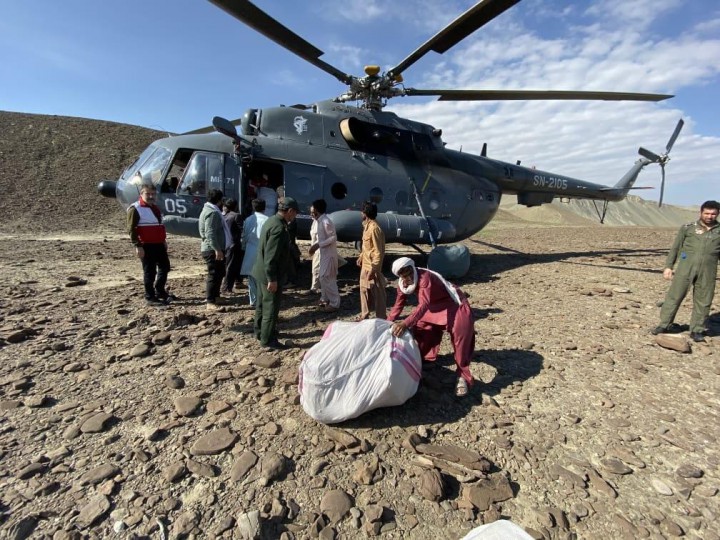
(304, 183)
(232, 182)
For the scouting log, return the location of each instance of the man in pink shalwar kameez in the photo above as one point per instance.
(441, 307)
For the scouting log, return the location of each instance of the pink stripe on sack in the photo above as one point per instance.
(399, 354)
(328, 331)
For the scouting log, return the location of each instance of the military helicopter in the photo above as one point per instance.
(349, 153)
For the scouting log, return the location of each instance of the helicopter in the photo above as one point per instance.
(348, 150)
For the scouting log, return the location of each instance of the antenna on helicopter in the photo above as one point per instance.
(663, 158)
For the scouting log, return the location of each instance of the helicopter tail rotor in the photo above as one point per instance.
(662, 159)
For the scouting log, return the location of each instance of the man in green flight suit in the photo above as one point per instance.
(270, 271)
(695, 250)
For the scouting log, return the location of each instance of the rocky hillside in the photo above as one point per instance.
(632, 211)
(50, 167)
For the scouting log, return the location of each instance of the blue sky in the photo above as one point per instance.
(174, 64)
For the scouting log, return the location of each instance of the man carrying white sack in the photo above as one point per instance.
(441, 307)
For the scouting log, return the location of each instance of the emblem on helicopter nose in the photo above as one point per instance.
(300, 124)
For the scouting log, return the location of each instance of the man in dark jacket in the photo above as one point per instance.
(234, 255)
(695, 250)
(269, 271)
(215, 240)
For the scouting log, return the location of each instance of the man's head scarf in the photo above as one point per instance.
(405, 262)
(399, 264)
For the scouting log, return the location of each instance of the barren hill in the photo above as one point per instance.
(50, 164)
(632, 211)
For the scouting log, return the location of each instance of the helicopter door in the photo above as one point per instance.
(232, 188)
(304, 183)
(204, 171)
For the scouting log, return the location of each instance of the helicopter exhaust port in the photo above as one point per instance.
(107, 188)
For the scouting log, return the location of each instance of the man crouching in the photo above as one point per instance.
(441, 307)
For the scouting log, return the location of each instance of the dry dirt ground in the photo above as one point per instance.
(120, 420)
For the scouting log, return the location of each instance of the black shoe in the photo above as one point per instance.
(659, 330)
(275, 345)
(697, 337)
(166, 299)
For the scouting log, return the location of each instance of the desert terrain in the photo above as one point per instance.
(123, 420)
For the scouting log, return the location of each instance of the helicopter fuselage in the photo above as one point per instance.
(425, 193)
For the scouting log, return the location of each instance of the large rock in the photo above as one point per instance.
(430, 485)
(674, 342)
(214, 442)
(488, 491)
(93, 511)
(335, 504)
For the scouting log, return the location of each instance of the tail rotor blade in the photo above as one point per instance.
(674, 136)
(662, 185)
(652, 156)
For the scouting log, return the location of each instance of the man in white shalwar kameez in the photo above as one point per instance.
(325, 248)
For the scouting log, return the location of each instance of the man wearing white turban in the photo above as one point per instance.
(441, 307)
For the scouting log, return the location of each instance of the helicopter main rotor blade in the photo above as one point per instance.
(532, 95)
(674, 136)
(263, 23)
(207, 129)
(475, 17)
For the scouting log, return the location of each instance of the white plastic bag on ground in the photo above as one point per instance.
(501, 529)
(357, 367)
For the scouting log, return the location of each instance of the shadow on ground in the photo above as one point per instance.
(435, 401)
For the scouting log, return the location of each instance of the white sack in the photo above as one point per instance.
(501, 529)
(357, 367)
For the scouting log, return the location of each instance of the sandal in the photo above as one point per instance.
(461, 387)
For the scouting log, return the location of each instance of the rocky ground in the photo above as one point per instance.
(121, 420)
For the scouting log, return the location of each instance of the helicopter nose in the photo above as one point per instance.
(122, 191)
(126, 193)
(107, 188)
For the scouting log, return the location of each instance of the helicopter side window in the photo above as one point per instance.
(177, 167)
(339, 190)
(202, 169)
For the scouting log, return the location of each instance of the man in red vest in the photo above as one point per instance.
(147, 233)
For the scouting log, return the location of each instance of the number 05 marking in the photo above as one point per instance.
(175, 206)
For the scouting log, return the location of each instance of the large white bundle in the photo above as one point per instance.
(357, 367)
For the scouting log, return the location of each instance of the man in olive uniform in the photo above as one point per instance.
(269, 271)
(695, 250)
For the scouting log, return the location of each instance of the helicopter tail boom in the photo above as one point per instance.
(620, 190)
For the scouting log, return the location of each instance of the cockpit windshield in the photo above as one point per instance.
(149, 167)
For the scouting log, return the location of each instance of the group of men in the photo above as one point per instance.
(261, 249)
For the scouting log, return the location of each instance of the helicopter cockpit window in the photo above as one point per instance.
(339, 190)
(177, 168)
(200, 172)
(152, 165)
(376, 195)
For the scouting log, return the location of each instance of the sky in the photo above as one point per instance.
(174, 64)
